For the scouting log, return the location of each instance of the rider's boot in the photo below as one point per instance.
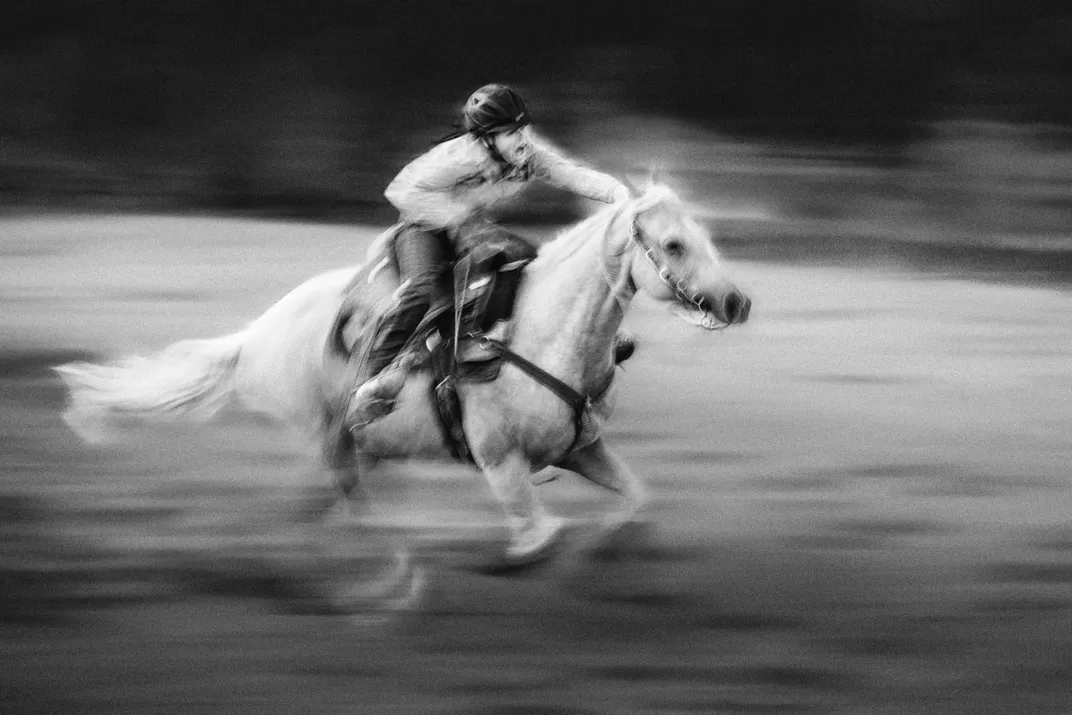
(375, 398)
(624, 347)
(387, 371)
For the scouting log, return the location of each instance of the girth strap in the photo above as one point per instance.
(571, 397)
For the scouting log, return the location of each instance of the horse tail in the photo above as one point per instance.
(191, 379)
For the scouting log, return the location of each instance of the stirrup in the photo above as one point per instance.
(363, 412)
(376, 397)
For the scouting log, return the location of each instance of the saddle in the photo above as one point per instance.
(485, 287)
(476, 296)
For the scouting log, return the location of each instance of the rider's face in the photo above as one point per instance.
(514, 146)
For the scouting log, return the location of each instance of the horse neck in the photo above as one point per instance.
(574, 300)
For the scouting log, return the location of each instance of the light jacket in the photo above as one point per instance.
(459, 178)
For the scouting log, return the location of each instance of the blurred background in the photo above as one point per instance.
(860, 498)
(942, 113)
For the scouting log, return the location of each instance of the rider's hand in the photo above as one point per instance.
(621, 193)
(477, 222)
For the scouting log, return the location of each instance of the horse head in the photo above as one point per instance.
(680, 263)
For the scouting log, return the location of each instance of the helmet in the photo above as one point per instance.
(494, 108)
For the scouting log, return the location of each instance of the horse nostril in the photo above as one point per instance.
(737, 307)
(732, 305)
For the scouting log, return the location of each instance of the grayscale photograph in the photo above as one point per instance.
(421, 357)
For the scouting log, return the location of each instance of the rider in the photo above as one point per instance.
(441, 197)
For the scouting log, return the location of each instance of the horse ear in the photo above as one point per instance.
(655, 175)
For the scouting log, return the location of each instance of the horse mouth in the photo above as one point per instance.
(699, 317)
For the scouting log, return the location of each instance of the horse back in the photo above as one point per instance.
(483, 286)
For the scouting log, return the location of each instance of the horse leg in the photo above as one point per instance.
(346, 464)
(532, 529)
(341, 460)
(330, 545)
(599, 465)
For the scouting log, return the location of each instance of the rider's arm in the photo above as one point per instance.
(428, 190)
(555, 168)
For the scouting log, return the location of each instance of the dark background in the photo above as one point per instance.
(312, 107)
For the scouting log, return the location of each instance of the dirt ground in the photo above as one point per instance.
(861, 505)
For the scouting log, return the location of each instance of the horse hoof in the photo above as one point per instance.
(535, 544)
(381, 611)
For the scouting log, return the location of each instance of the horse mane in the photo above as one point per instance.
(571, 239)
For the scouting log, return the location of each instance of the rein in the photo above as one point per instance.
(578, 402)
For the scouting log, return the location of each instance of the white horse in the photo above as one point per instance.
(569, 306)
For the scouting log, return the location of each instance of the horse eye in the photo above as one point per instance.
(674, 247)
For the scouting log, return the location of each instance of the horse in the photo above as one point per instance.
(568, 308)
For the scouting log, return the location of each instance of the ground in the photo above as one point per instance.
(861, 505)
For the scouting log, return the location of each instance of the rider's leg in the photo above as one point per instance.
(421, 257)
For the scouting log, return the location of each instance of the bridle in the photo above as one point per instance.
(687, 294)
(682, 289)
(578, 403)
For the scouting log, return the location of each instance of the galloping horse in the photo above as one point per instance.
(568, 308)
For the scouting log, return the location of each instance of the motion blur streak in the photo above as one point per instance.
(861, 496)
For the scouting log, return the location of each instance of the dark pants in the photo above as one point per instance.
(423, 257)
